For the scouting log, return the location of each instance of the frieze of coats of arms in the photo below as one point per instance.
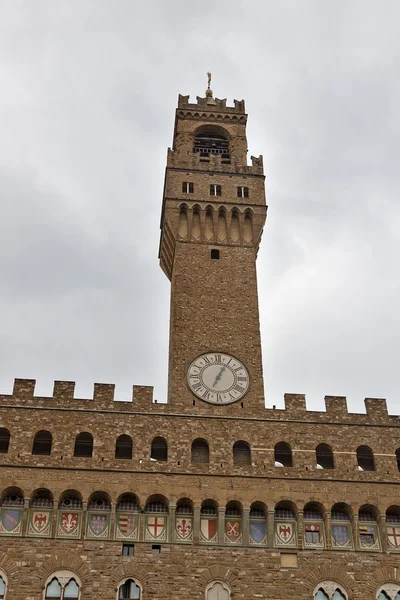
(153, 524)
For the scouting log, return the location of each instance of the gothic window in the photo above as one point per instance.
(200, 451)
(83, 445)
(248, 227)
(42, 443)
(4, 440)
(188, 187)
(3, 586)
(242, 192)
(329, 590)
(129, 590)
(62, 585)
(218, 590)
(159, 449)
(123, 447)
(324, 457)
(389, 591)
(283, 455)
(241, 453)
(215, 189)
(365, 459)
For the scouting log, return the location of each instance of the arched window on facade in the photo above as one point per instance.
(62, 585)
(324, 457)
(365, 459)
(388, 591)
(241, 453)
(341, 530)
(123, 447)
(218, 590)
(129, 590)
(4, 440)
(283, 455)
(84, 445)
(159, 449)
(3, 585)
(393, 528)
(368, 531)
(200, 451)
(329, 590)
(42, 443)
(212, 141)
(314, 530)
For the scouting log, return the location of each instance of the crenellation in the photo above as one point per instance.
(63, 391)
(218, 105)
(193, 162)
(376, 409)
(24, 388)
(103, 394)
(295, 404)
(336, 406)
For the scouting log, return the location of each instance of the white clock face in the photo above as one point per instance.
(218, 378)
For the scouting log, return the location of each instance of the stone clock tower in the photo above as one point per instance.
(212, 220)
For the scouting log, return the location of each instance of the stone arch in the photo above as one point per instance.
(8, 566)
(329, 572)
(381, 576)
(218, 572)
(64, 561)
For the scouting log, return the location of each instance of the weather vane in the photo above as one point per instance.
(209, 79)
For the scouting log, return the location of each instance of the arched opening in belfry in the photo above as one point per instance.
(211, 139)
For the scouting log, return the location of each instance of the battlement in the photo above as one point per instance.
(336, 409)
(215, 163)
(63, 397)
(211, 104)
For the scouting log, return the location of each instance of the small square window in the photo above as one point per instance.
(214, 254)
(128, 549)
(156, 549)
(215, 189)
(242, 192)
(187, 187)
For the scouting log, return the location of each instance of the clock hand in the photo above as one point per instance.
(218, 377)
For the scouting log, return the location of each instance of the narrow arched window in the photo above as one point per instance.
(200, 451)
(62, 586)
(241, 453)
(123, 446)
(365, 459)
(83, 445)
(159, 449)
(4, 440)
(129, 590)
(218, 590)
(329, 591)
(324, 457)
(283, 455)
(42, 443)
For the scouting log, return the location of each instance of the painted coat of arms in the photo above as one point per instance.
(258, 531)
(183, 529)
(341, 536)
(39, 523)
(284, 534)
(127, 526)
(393, 536)
(11, 521)
(233, 531)
(208, 530)
(69, 524)
(156, 528)
(97, 525)
(313, 537)
(369, 539)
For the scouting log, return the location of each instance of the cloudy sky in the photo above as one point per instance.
(88, 93)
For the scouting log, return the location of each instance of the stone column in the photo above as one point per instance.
(270, 528)
(327, 532)
(112, 520)
(246, 527)
(25, 516)
(84, 519)
(221, 525)
(196, 525)
(354, 524)
(383, 532)
(171, 523)
(300, 529)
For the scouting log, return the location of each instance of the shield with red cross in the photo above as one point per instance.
(393, 534)
(156, 528)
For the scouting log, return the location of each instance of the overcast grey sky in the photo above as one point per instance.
(88, 94)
